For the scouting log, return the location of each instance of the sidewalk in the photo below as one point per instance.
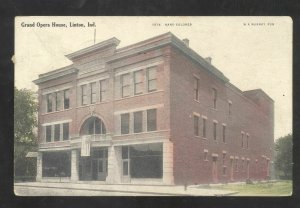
(124, 189)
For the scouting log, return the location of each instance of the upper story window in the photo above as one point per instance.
(125, 123)
(138, 82)
(215, 130)
(224, 132)
(204, 127)
(65, 131)
(66, 99)
(48, 133)
(151, 120)
(138, 121)
(215, 96)
(205, 155)
(224, 158)
(125, 85)
(56, 132)
(196, 88)
(49, 103)
(196, 125)
(93, 126)
(229, 107)
(93, 93)
(151, 79)
(247, 141)
(84, 99)
(58, 101)
(242, 139)
(103, 89)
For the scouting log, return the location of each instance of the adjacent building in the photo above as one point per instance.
(152, 112)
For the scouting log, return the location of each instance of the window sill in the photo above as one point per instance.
(204, 138)
(140, 133)
(197, 101)
(92, 104)
(206, 160)
(53, 142)
(214, 109)
(53, 112)
(143, 94)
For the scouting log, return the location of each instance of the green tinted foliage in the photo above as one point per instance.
(284, 156)
(25, 123)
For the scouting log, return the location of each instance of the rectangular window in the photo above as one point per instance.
(56, 164)
(103, 87)
(125, 123)
(48, 133)
(138, 82)
(247, 141)
(215, 130)
(58, 103)
(125, 85)
(242, 140)
(151, 120)
(146, 160)
(65, 131)
(229, 108)
(224, 133)
(205, 155)
(151, 79)
(196, 125)
(236, 164)
(224, 158)
(196, 88)
(66, 99)
(49, 103)
(204, 128)
(224, 170)
(93, 92)
(138, 122)
(242, 165)
(215, 95)
(56, 132)
(84, 100)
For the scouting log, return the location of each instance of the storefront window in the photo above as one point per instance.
(56, 164)
(146, 161)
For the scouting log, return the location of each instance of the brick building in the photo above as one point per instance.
(151, 112)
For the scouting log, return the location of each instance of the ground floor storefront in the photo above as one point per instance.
(135, 163)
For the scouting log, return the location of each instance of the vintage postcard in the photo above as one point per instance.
(153, 106)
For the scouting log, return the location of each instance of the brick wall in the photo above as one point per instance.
(189, 164)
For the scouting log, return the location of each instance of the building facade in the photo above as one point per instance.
(151, 112)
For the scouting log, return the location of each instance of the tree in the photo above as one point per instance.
(284, 157)
(25, 122)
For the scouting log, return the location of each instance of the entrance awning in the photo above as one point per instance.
(31, 154)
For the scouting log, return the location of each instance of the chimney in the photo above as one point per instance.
(208, 60)
(186, 42)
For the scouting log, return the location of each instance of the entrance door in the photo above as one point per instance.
(248, 169)
(215, 170)
(99, 169)
(102, 169)
(231, 169)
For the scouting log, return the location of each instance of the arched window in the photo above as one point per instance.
(93, 125)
